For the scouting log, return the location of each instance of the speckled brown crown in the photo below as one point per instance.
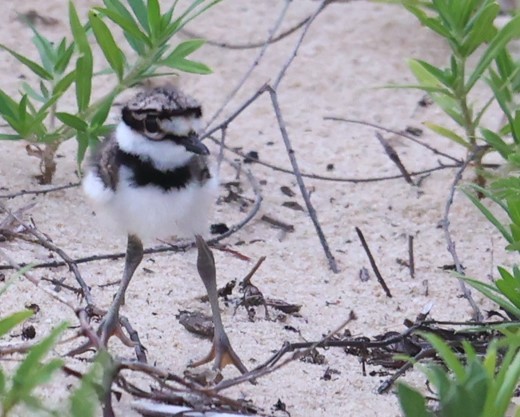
(165, 99)
(145, 111)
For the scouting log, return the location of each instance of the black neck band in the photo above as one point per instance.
(144, 173)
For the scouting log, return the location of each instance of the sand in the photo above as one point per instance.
(350, 52)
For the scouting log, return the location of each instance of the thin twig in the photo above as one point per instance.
(35, 281)
(394, 157)
(387, 384)
(257, 60)
(451, 244)
(294, 163)
(140, 350)
(247, 279)
(73, 267)
(373, 262)
(411, 258)
(46, 243)
(396, 132)
(221, 148)
(281, 74)
(277, 223)
(265, 369)
(38, 192)
(252, 45)
(338, 179)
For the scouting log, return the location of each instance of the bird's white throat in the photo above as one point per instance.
(164, 155)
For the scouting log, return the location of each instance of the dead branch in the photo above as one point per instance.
(40, 192)
(396, 132)
(257, 60)
(373, 263)
(451, 243)
(394, 157)
(24, 271)
(252, 45)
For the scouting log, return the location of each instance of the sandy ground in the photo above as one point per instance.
(350, 51)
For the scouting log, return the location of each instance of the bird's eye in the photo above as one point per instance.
(151, 125)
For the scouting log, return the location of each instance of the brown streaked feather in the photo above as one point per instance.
(163, 102)
(199, 169)
(105, 162)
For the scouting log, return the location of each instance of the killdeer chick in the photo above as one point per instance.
(152, 178)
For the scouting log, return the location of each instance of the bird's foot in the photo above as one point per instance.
(110, 326)
(222, 354)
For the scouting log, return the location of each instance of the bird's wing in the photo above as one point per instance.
(106, 164)
(199, 169)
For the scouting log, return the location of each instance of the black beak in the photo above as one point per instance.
(193, 144)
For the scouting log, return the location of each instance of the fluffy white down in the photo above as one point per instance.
(152, 213)
(162, 154)
(94, 188)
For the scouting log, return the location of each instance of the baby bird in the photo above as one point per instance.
(152, 179)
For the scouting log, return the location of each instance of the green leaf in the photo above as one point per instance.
(412, 401)
(140, 12)
(113, 54)
(13, 320)
(493, 294)
(482, 28)
(8, 106)
(445, 101)
(444, 77)
(6, 136)
(64, 84)
(78, 31)
(185, 48)
(129, 26)
(84, 400)
(190, 66)
(491, 218)
(45, 49)
(154, 18)
(2, 384)
(36, 354)
(64, 59)
(31, 372)
(447, 133)
(32, 93)
(83, 142)
(84, 68)
(84, 64)
(72, 121)
(33, 66)
(101, 114)
(447, 355)
(428, 21)
(497, 143)
(507, 33)
(507, 386)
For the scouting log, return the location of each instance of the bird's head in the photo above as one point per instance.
(165, 114)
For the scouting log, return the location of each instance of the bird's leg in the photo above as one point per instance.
(110, 324)
(221, 351)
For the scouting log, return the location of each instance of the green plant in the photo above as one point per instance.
(31, 373)
(38, 116)
(504, 193)
(18, 391)
(470, 386)
(468, 28)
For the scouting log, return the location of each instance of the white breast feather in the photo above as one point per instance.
(151, 213)
(163, 154)
(94, 188)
